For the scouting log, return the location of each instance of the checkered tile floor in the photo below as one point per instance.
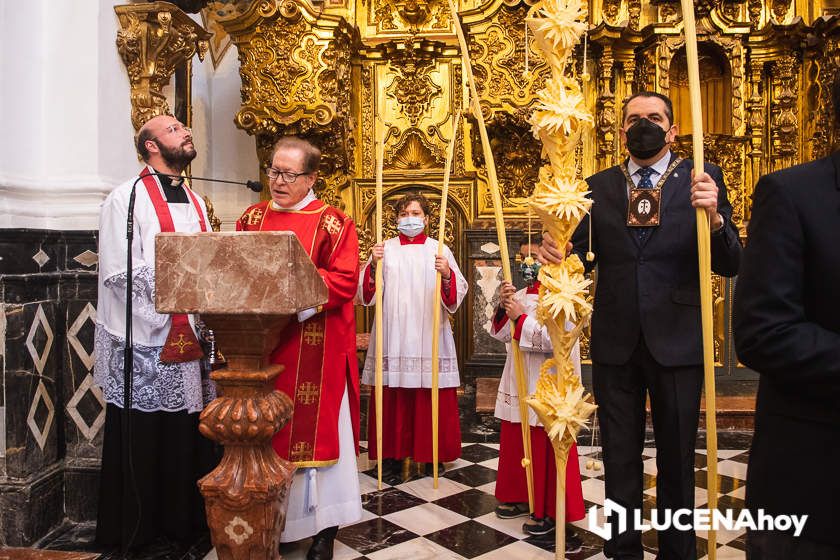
(415, 521)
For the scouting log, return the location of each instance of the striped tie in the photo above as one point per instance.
(644, 183)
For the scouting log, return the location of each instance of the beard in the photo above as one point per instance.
(177, 158)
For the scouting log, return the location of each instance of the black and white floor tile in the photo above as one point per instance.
(456, 521)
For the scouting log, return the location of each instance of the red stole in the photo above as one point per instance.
(319, 354)
(181, 344)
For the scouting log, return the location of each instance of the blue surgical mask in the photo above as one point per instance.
(411, 226)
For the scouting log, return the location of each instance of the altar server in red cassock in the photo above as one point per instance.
(516, 318)
(410, 263)
(318, 351)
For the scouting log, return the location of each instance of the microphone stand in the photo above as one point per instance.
(128, 355)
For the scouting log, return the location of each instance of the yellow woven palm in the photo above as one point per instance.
(560, 200)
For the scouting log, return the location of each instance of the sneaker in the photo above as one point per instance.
(538, 527)
(511, 510)
(573, 541)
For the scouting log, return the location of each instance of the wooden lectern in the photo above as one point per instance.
(246, 286)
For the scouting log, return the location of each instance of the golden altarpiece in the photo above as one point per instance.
(325, 69)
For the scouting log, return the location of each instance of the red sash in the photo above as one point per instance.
(181, 344)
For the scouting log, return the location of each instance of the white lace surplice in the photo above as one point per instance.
(535, 345)
(156, 386)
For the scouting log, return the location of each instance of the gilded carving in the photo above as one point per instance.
(368, 124)
(215, 222)
(755, 8)
(729, 9)
(393, 15)
(719, 318)
(367, 240)
(611, 11)
(756, 125)
(702, 8)
(413, 151)
(412, 87)
(210, 16)
(497, 49)
(154, 39)
(605, 119)
(735, 54)
(729, 153)
(646, 70)
(785, 124)
(820, 107)
(296, 71)
(634, 10)
(629, 65)
(779, 10)
(668, 13)
(294, 65)
(458, 102)
(665, 54)
(517, 154)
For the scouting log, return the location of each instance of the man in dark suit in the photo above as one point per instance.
(787, 328)
(646, 327)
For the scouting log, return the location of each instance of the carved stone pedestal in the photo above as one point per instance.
(246, 285)
(246, 494)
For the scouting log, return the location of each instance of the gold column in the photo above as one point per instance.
(784, 127)
(297, 78)
(757, 109)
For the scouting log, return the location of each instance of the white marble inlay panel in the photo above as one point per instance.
(87, 258)
(87, 314)
(39, 357)
(89, 431)
(39, 432)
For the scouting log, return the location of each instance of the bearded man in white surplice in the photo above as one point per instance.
(160, 500)
(410, 263)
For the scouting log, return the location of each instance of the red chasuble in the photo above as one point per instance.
(319, 354)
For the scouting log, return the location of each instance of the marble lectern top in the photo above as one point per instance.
(235, 273)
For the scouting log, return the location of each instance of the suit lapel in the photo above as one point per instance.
(621, 199)
(673, 184)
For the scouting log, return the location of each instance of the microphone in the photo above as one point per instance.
(255, 186)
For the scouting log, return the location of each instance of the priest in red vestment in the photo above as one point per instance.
(318, 351)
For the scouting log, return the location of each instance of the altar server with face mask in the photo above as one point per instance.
(410, 264)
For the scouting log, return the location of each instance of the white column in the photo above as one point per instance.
(65, 113)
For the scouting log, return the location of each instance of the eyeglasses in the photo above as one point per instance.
(172, 129)
(288, 176)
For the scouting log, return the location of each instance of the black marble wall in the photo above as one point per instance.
(50, 414)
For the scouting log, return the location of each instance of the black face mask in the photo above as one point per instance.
(645, 139)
